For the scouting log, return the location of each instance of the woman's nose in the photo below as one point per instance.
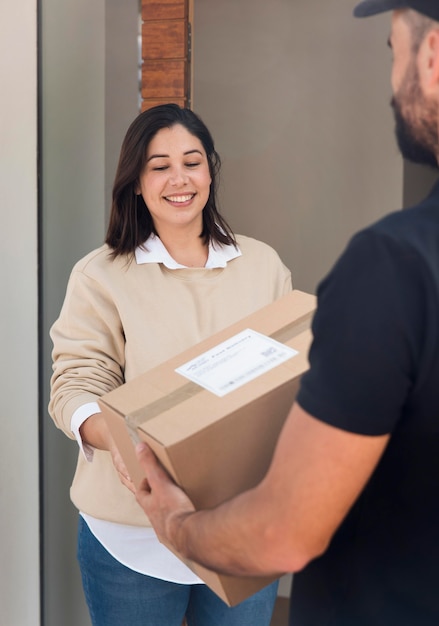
(178, 177)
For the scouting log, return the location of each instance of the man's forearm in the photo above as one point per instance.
(287, 520)
(235, 538)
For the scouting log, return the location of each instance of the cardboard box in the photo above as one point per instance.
(216, 446)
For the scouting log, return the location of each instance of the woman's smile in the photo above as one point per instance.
(180, 200)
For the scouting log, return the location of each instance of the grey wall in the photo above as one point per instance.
(88, 97)
(19, 524)
(296, 95)
(122, 96)
(418, 179)
(73, 160)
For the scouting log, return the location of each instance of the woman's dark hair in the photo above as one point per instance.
(130, 220)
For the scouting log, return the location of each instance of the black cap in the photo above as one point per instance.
(371, 7)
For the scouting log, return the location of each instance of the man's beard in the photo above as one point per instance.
(417, 136)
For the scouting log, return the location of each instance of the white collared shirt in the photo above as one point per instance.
(153, 251)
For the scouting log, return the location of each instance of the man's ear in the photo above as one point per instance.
(428, 63)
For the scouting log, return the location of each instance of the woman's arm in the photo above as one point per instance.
(88, 349)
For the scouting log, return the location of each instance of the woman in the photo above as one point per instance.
(170, 274)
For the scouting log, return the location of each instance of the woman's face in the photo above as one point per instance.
(175, 182)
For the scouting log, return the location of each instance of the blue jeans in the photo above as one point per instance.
(118, 596)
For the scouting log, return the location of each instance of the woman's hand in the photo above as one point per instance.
(96, 433)
(120, 467)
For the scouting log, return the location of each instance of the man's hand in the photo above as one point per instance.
(165, 504)
(280, 525)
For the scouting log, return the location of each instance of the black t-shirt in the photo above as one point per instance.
(375, 370)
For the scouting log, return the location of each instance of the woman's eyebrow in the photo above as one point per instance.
(192, 152)
(164, 156)
(157, 156)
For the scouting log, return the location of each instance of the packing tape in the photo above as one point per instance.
(190, 389)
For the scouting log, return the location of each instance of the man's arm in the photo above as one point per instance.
(315, 476)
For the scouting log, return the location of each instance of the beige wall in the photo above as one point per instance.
(296, 95)
(19, 517)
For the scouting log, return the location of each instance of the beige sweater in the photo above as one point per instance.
(119, 319)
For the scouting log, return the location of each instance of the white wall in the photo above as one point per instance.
(19, 525)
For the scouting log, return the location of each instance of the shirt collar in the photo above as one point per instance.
(153, 251)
